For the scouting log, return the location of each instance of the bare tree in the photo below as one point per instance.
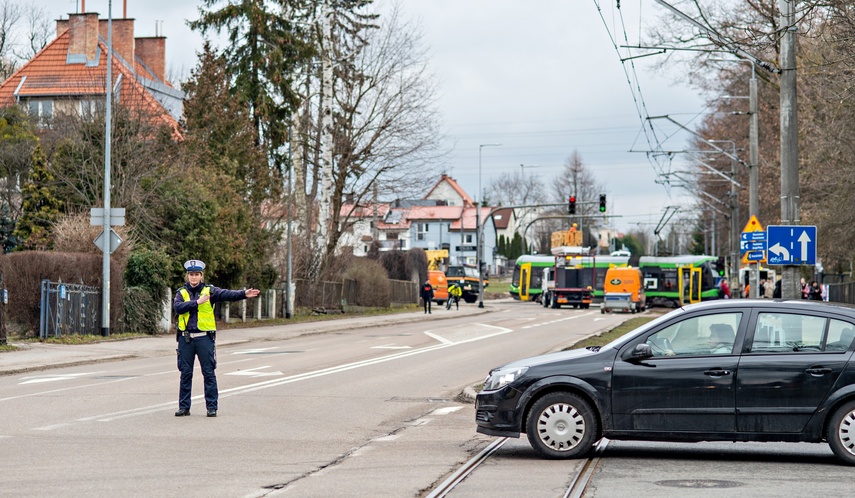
(514, 189)
(385, 126)
(10, 15)
(37, 32)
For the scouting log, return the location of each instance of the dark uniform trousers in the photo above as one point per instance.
(203, 347)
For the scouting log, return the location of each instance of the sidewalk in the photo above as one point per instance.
(34, 356)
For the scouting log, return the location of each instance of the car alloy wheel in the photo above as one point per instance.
(562, 425)
(841, 433)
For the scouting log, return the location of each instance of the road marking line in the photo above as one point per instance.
(55, 377)
(253, 372)
(446, 410)
(267, 384)
(389, 346)
(253, 351)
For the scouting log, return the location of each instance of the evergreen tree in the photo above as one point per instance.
(267, 47)
(40, 207)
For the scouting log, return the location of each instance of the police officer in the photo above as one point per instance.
(197, 331)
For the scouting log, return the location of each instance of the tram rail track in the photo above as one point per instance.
(576, 489)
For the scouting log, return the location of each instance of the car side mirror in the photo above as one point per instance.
(641, 351)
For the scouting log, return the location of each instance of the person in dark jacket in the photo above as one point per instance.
(427, 295)
(814, 291)
(197, 332)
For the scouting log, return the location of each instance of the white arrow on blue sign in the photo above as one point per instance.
(755, 256)
(746, 236)
(752, 245)
(791, 245)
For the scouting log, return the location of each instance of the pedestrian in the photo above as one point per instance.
(761, 289)
(814, 292)
(454, 293)
(724, 289)
(427, 295)
(803, 288)
(769, 289)
(197, 333)
(777, 292)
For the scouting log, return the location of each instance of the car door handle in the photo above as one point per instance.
(818, 371)
(717, 372)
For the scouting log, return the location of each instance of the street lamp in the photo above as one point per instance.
(478, 234)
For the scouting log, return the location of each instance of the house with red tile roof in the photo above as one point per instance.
(445, 219)
(449, 191)
(69, 74)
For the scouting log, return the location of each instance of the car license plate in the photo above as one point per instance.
(562, 299)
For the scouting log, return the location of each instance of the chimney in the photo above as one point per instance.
(82, 37)
(152, 52)
(61, 26)
(123, 38)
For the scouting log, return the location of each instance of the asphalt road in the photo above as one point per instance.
(356, 409)
(362, 412)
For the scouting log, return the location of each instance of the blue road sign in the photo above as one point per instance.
(756, 256)
(752, 245)
(746, 236)
(791, 245)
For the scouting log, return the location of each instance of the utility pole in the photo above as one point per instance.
(753, 174)
(789, 140)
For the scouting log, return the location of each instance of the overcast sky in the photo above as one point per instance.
(542, 78)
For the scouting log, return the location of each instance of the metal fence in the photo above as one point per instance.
(69, 309)
(842, 293)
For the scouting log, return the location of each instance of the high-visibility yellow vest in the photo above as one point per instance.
(205, 320)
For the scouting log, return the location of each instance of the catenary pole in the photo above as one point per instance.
(789, 140)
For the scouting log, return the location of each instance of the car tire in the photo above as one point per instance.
(562, 425)
(841, 433)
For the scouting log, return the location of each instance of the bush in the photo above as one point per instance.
(23, 272)
(410, 265)
(142, 311)
(372, 282)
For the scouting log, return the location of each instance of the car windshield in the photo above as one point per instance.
(620, 341)
(461, 271)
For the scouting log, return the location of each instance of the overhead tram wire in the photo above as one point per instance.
(635, 90)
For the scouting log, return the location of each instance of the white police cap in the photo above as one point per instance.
(194, 265)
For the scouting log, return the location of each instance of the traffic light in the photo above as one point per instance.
(720, 266)
(602, 203)
(571, 204)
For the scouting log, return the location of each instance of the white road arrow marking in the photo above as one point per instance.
(389, 346)
(253, 372)
(52, 378)
(782, 252)
(804, 238)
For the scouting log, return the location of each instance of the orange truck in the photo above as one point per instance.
(623, 290)
(440, 286)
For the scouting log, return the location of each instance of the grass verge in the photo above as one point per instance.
(607, 337)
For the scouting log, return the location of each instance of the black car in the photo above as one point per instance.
(730, 370)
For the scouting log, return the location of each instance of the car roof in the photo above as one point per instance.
(788, 304)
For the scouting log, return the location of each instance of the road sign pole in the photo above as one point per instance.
(105, 263)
